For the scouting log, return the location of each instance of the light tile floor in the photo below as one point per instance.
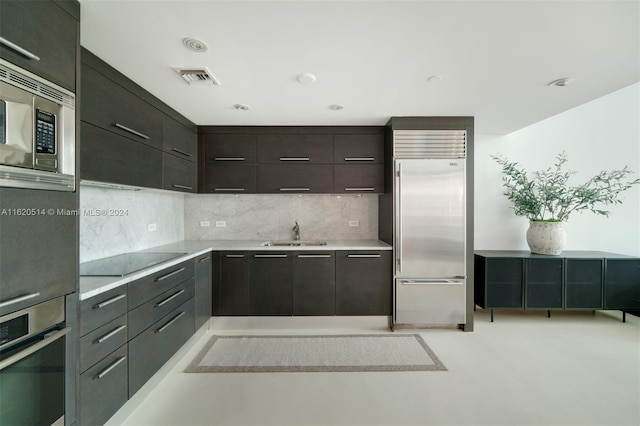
(524, 369)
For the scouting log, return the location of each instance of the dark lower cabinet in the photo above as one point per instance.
(271, 283)
(235, 275)
(543, 282)
(363, 283)
(583, 282)
(216, 289)
(499, 282)
(622, 284)
(204, 289)
(314, 283)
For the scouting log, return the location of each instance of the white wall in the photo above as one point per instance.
(603, 134)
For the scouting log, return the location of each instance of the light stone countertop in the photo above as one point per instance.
(93, 286)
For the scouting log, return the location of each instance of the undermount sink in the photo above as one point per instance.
(293, 243)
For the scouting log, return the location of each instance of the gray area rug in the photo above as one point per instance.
(335, 353)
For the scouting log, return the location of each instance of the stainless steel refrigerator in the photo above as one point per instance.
(430, 228)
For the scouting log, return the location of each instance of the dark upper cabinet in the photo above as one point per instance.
(204, 287)
(498, 282)
(363, 282)
(294, 178)
(178, 139)
(622, 284)
(229, 178)
(110, 106)
(230, 148)
(583, 283)
(314, 283)
(235, 276)
(358, 178)
(292, 148)
(543, 281)
(271, 283)
(46, 29)
(178, 174)
(107, 157)
(358, 149)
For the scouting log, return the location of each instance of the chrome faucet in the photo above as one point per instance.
(296, 231)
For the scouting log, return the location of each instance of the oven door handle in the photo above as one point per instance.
(9, 361)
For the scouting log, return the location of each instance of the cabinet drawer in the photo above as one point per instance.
(152, 348)
(146, 314)
(107, 157)
(358, 149)
(230, 148)
(295, 149)
(178, 174)
(103, 308)
(103, 388)
(355, 178)
(102, 341)
(178, 139)
(152, 285)
(295, 178)
(108, 105)
(230, 178)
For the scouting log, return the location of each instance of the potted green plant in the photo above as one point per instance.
(547, 200)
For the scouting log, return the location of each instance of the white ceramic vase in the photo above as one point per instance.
(546, 237)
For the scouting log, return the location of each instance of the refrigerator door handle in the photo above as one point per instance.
(398, 217)
(432, 281)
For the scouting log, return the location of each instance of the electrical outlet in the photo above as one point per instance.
(205, 224)
(152, 227)
(221, 224)
(354, 223)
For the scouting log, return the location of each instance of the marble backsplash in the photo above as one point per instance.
(114, 221)
(271, 217)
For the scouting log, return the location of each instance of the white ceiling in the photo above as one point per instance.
(374, 57)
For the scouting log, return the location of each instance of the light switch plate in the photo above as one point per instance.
(221, 224)
(205, 224)
(152, 227)
(354, 223)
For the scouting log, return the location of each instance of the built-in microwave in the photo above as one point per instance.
(37, 132)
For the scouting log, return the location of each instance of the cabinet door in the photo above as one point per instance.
(45, 30)
(363, 283)
(215, 284)
(230, 148)
(203, 289)
(358, 149)
(98, 310)
(102, 341)
(504, 279)
(295, 178)
(583, 283)
(543, 283)
(178, 139)
(230, 178)
(178, 174)
(314, 283)
(278, 149)
(271, 283)
(107, 157)
(152, 285)
(358, 178)
(622, 284)
(108, 105)
(235, 272)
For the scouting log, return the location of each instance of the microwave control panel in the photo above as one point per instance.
(45, 132)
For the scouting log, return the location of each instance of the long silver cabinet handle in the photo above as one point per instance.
(234, 256)
(111, 367)
(111, 334)
(20, 50)
(364, 256)
(294, 158)
(229, 189)
(204, 259)
(109, 301)
(229, 159)
(295, 189)
(398, 219)
(432, 282)
(313, 256)
(359, 159)
(130, 130)
(167, 325)
(170, 274)
(270, 256)
(175, 185)
(18, 299)
(169, 299)
(359, 189)
(179, 151)
(10, 360)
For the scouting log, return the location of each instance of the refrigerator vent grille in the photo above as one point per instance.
(430, 144)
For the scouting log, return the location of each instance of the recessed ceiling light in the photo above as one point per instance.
(195, 44)
(336, 107)
(306, 78)
(561, 82)
(241, 107)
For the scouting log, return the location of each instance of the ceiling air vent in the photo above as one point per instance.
(197, 75)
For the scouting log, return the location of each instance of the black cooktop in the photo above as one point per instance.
(124, 264)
